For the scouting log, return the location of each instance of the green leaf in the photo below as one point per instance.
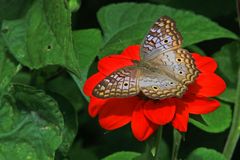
(43, 37)
(12, 9)
(217, 121)
(228, 60)
(196, 49)
(126, 24)
(124, 155)
(70, 122)
(8, 69)
(31, 125)
(71, 92)
(86, 45)
(205, 154)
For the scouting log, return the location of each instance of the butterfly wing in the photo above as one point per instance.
(159, 85)
(169, 76)
(121, 83)
(171, 67)
(162, 36)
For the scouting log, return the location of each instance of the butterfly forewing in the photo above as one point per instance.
(162, 36)
(122, 83)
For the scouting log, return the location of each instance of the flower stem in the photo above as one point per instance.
(177, 137)
(234, 133)
(158, 142)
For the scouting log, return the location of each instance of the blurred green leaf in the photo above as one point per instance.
(86, 44)
(217, 121)
(124, 155)
(205, 154)
(31, 125)
(228, 59)
(12, 9)
(22, 77)
(8, 69)
(196, 49)
(70, 122)
(229, 95)
(127, 23)
(43, 37)
(70, 92)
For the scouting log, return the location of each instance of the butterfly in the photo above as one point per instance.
(165, 69)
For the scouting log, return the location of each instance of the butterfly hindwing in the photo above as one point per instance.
(162, 36)
(121, 83)
(157, 85)
(169, 75)
(177, 64)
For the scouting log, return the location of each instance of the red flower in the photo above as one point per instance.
(146, 115)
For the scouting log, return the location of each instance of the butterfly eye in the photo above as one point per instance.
(125, 84)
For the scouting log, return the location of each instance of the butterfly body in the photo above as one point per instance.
(164, 70)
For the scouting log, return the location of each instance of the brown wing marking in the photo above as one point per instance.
(121, 83)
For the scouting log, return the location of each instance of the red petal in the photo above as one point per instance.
(200, 105)
(133, 52)
(180, 121)
(91, 83)
(205, 64)
(109, 64)
(117, 112)
(95, 105)
(160, 112)
(142, 128)
(207, 85)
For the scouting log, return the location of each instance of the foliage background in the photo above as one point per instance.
(49, 48)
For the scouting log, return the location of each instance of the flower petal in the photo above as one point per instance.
(180, 121)
(109, 64)
(160, 112)
(92, 82)
(95, 105)
(200, 105)
(142, 128)
(117, 112)
(207, 85)
(204, 63)
(133, 52)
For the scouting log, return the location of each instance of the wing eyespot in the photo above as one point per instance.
(180, 72)
(155, 88)
(179, 60)
(125, 83)
(165, 41)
